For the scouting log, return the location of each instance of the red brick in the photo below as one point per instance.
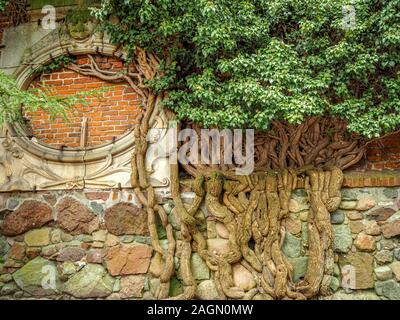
(109, 116)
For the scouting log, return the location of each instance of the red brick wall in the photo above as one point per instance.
(384, 153)
(110, 114)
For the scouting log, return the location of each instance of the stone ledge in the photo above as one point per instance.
(351, 180)
(372, 179)
(367, 179)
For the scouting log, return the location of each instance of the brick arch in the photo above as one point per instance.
(109, 115)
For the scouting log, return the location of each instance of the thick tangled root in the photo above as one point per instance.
(253, 207)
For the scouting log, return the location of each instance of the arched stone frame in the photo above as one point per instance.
(31, 165)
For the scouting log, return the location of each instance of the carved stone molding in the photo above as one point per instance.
(31, 165)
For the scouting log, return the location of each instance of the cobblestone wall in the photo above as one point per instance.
(95, 244)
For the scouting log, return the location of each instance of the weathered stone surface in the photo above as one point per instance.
(395, 266)
(86, 238)
(365, 204)
(298, 204)
(397, 253)
(357, 226)
(394, 217)
(387, 244)
(361, 266)
(342, 238)
(174, 220)
(3, 200)
(66, 237)
(350, 193)
(38, 238)
(168, 206)
(30, 215)
(71, 254)
(98, 244)
(17, 251)
(73, 243)
(242, 277)
(10, 263)
(384, 256)
(383, 273)
(32, 253)
(354, 215)
(100, 235)
(365, 242)
(381, 214)
(291, 246)
(206, 290)
(76, 218)
(390, 193)
(164, 244)
(218, 245)
(389, 289)
(6, 278)
(111, 240)
(114, 296)
(331, 282)
(372, 228)
(154, 285)
(299, 267)
(348, 205)
(97, 208)
(293, 226)
(303, 215)
(391, 229)
(38, 277)
(56, 236)
(157, 265)
(161, 232)
(126, 218)
(361, 295)
(128, 259)
(4, 248)
(132, 286)
(211, 232)
(127, 239)
(199, 267)
(221, 230)
(92, 281)
(67, 269)
(12, 203)
(8, 289)
(48, 251)
(337, 217)
(117, 285)
(94, 256)
(175, 287)
(97, 195)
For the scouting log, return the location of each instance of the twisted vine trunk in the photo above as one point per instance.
(252, 208)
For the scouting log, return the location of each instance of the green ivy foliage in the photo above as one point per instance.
(3, 4)
(57, 64)
(242, 63)
(12, 98)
